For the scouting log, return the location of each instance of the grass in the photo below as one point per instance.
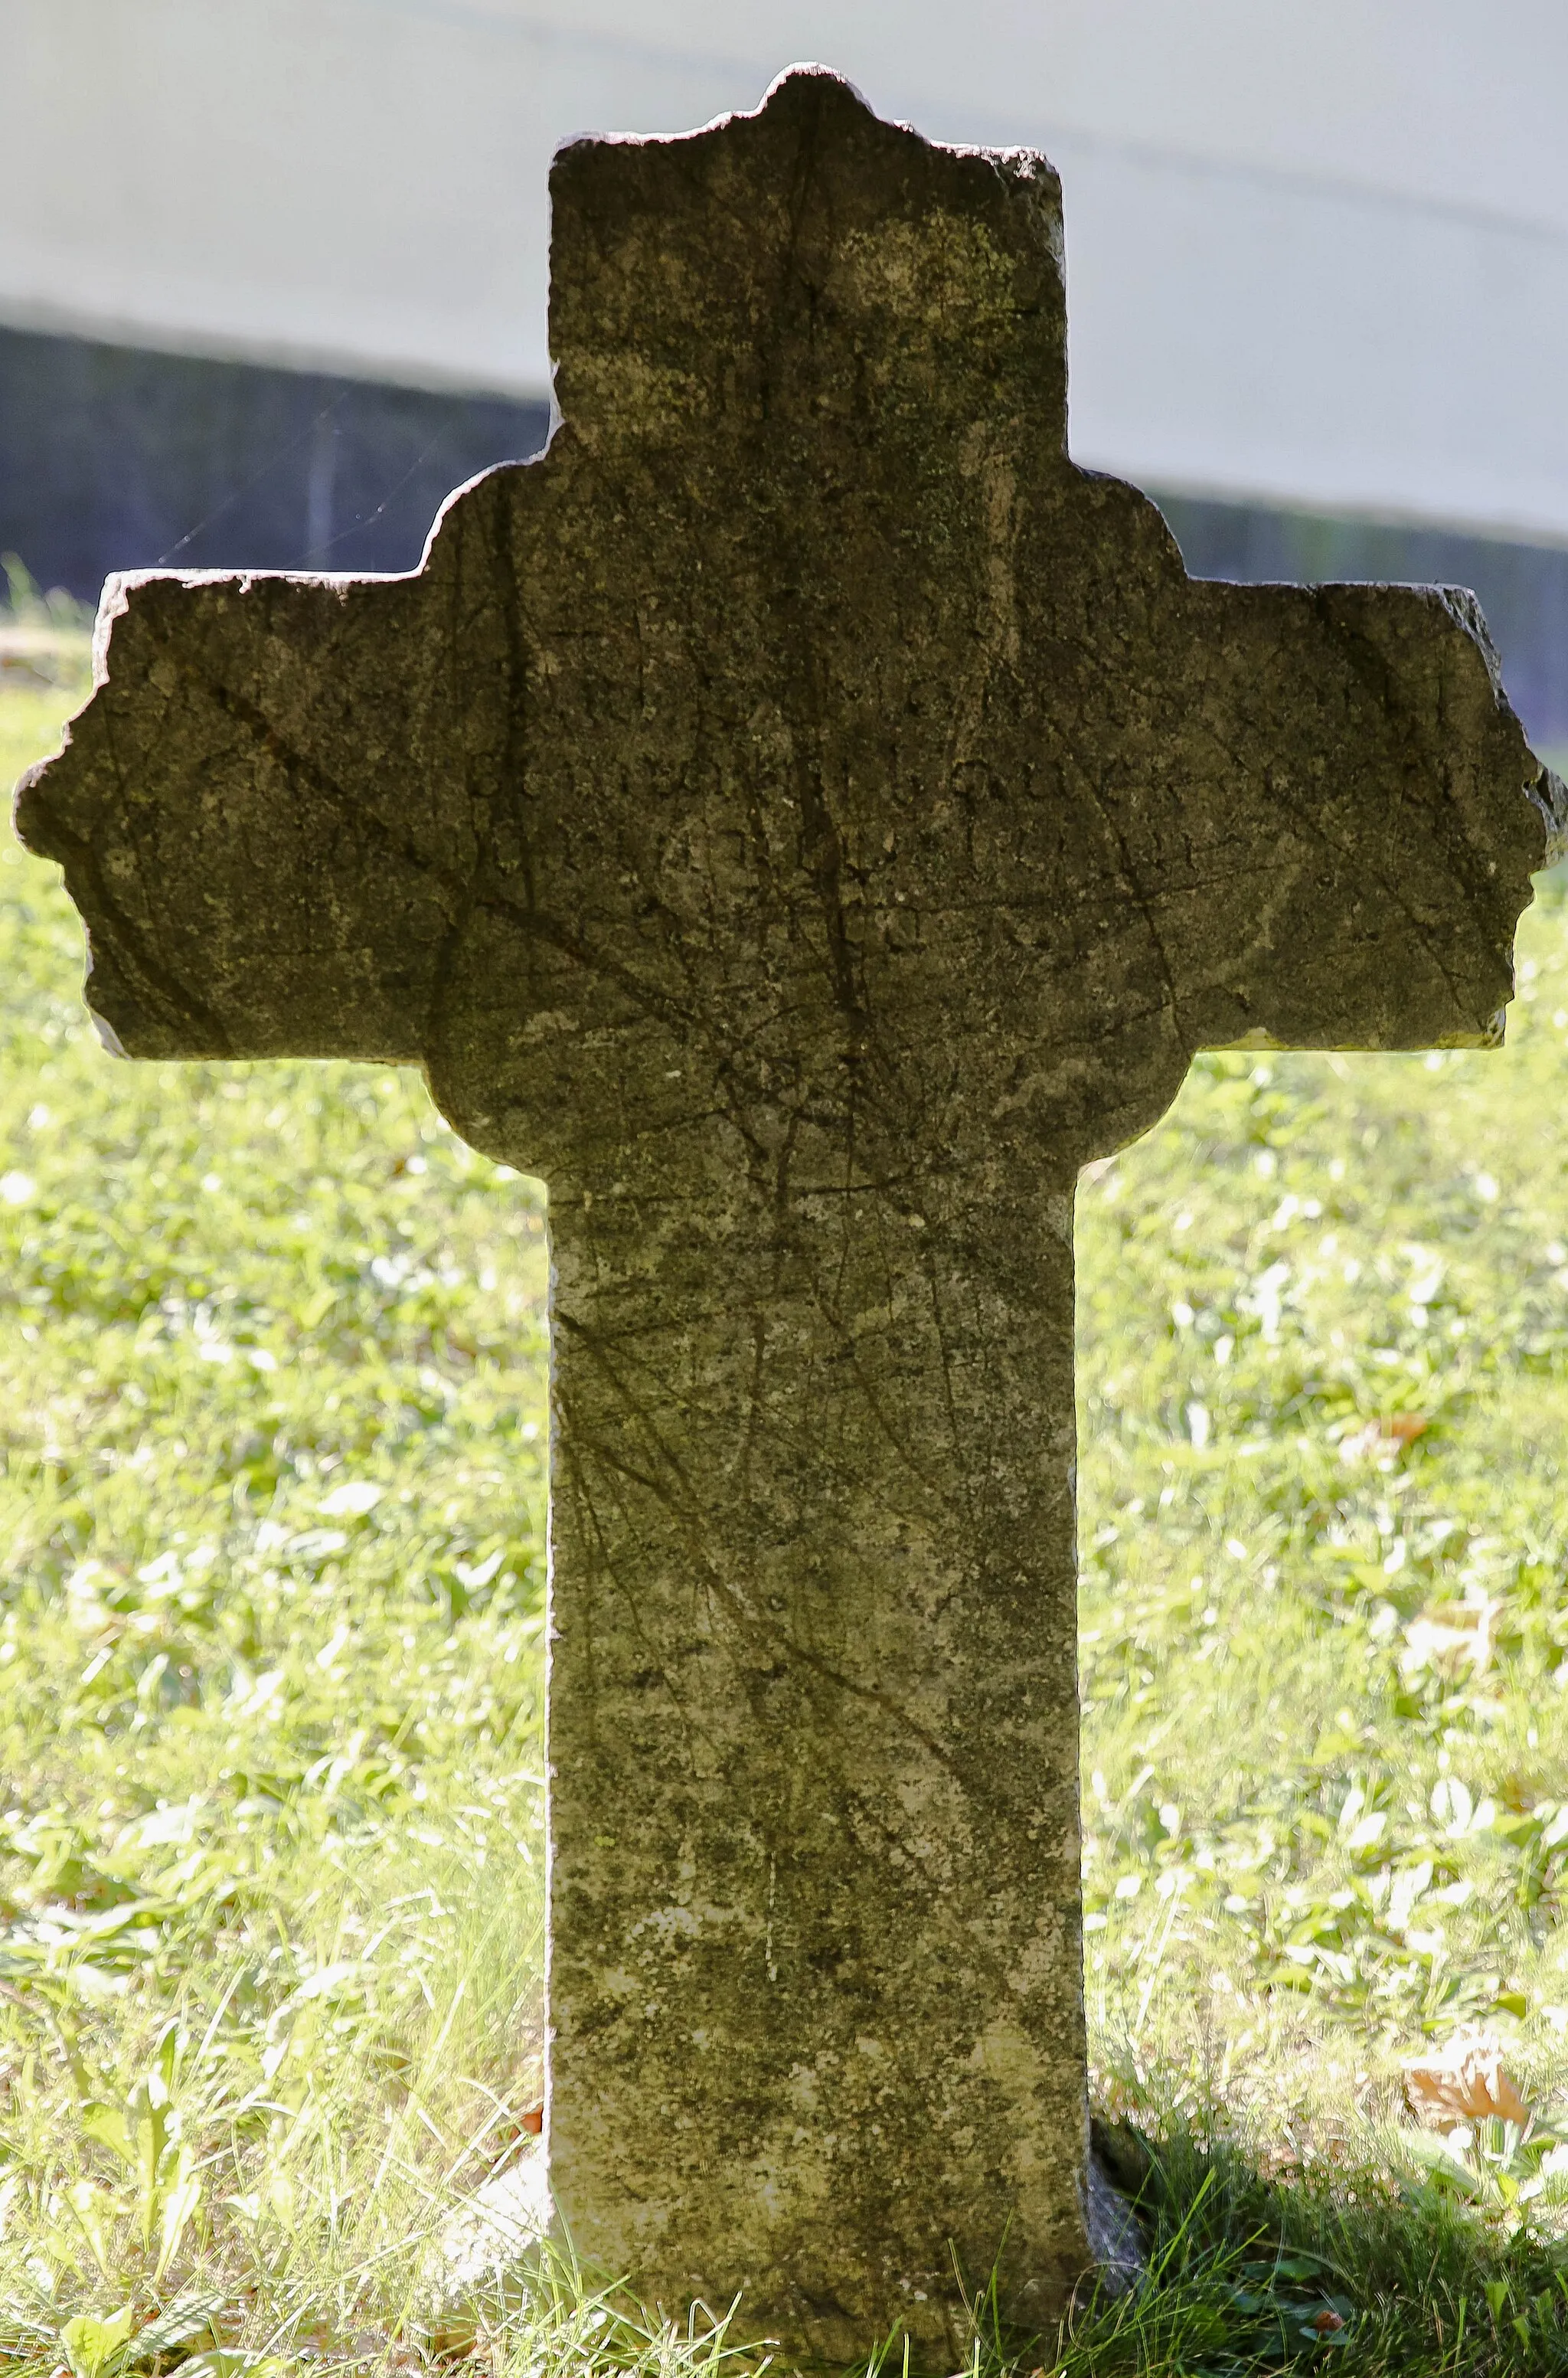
(272, 1402)
(271, 1410)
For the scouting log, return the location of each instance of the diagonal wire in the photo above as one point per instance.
(234, 493)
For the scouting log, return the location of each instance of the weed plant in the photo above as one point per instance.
(273, 1361)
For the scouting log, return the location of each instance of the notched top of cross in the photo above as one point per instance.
(803, 817)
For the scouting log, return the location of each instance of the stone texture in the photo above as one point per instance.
(803, 818)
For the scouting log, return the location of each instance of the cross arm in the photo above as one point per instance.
(1358, 818)
(266, 814)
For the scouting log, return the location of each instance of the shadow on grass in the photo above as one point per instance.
(1341, 2268)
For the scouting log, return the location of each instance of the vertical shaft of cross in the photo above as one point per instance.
(814, 1989)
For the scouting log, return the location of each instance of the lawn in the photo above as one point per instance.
(272, 1413)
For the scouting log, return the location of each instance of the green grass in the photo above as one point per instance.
(1324, 1314)
(271, 1404)
(272, 1502)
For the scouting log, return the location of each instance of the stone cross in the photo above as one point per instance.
(803, 817)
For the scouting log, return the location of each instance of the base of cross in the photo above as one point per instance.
(511, 2224)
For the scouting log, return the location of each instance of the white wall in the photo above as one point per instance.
(1318, 249)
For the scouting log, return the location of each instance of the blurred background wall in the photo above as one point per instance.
(274, 272)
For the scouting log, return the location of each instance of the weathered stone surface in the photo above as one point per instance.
(803, 818)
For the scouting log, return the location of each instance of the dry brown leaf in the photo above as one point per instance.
(1385, 1438)
(1464, 2082)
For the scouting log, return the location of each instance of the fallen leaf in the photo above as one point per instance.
(532, 2120)
(1464, 2082)
(1383, 1438)
(1440, 1649)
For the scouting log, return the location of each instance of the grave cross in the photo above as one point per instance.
(803, 818)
